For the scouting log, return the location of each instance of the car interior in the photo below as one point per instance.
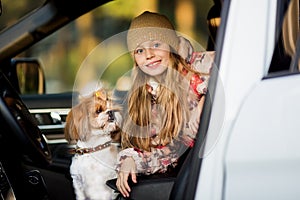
(34, 158)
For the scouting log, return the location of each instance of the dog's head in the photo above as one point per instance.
(95, 112)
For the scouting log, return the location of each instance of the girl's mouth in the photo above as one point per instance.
(153, 64)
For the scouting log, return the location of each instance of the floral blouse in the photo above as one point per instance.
(161, 157)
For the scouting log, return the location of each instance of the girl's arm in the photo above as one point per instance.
(159, 159)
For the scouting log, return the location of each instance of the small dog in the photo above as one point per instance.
(94, 125)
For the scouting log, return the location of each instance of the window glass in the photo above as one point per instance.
(93, 45)
(287, 33)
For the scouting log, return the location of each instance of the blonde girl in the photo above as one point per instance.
(164, 104)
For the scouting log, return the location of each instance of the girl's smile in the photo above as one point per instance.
(154, 64)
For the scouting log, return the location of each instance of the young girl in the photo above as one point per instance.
(164, 103)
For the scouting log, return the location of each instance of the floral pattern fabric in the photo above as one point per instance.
(161, 157)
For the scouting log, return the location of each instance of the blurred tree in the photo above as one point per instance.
(65, 51)
(185, 17)
(12, 10)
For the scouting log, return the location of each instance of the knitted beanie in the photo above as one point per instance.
(151, 26)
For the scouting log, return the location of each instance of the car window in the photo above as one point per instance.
(287, 31)
(93, 47)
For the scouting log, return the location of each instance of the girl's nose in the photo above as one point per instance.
(149, 53)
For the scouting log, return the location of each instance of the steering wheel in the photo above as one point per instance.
(22, 125)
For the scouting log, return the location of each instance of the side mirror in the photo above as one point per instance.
(30, 75)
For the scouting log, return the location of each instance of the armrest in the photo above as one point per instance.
(152, 187)
(155, 186)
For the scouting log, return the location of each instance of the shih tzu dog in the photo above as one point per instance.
(94, 126)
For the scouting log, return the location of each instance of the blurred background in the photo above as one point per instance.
(93, 46)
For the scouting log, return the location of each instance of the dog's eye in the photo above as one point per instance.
(98, 111)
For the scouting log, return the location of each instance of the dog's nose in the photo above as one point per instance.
(111, 116)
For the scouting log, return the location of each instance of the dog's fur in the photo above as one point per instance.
(88, 124)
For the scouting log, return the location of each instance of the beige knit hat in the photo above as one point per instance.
(151, 26)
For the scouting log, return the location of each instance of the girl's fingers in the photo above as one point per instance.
(133, 177)
(126, 186)
(128, 168)
(123, 184)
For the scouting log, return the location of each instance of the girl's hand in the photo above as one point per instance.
(128, 168)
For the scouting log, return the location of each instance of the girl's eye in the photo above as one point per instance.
(156, 45)
(139, 51)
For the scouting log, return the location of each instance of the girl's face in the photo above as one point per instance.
(152, 57)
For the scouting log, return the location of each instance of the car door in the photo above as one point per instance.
(263, 149)
(255, 152)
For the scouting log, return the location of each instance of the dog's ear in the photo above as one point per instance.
(70, 131)
(82, 120)
(77, 124)
(101, 94)
(116, 135)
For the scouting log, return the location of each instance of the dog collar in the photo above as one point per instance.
(82, 151)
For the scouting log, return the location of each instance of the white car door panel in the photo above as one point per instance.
(263, 152)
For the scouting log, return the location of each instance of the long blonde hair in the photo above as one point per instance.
(172, 100)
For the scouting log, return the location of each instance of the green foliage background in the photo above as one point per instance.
(63, 53)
